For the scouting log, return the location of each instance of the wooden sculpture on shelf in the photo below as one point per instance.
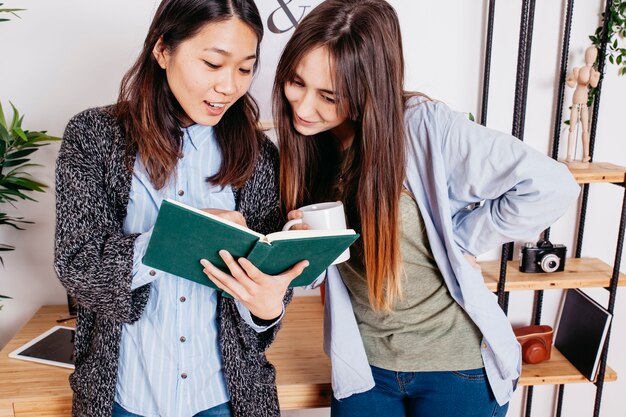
(581, 78)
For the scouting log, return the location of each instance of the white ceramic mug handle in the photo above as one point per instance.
(290, 223)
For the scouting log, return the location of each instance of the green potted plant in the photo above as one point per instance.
(16, 147)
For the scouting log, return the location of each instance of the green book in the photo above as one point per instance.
(182, 235)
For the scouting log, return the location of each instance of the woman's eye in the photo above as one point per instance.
(212, 66)
(297, 83)
(245, 71)
(329, 99)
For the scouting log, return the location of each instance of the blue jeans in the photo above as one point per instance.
(423, 394)
(222, 410)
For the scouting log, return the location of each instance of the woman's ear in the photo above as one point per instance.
(160, 53)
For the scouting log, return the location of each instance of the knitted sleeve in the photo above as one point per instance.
(93, 258)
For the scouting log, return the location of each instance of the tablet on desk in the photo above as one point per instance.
(54, 347)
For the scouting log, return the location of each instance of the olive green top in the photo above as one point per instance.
(426, 329)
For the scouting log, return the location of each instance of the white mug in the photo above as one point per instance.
(323, 216)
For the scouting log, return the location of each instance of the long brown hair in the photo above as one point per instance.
(152, 117)
(365, 45)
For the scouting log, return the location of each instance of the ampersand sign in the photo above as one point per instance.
(283, 7)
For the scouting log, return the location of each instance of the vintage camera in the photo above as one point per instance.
(542, 257)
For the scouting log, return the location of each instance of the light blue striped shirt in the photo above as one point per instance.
(170, 362)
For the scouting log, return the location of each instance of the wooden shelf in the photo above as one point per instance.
(579, 272)
(600, 172)
(557, 370)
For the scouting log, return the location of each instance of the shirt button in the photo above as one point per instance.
(484, 345)
(183, 375)
(181, 193)
(182, 339)
(152, 272)
(183, 299)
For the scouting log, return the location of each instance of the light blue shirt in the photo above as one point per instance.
(453, 163)
(170, 362)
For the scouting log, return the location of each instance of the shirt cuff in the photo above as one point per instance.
(142, 274)
(247, 317)
(317, 282)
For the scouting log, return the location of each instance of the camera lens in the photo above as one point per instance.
(550, 263)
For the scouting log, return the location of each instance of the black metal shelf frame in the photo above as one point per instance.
(519, 115)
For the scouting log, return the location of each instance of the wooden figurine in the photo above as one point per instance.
(581, 78)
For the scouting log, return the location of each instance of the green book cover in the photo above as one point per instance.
(182, 235)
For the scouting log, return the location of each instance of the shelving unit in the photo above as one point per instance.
(578, 273)
(503, 276)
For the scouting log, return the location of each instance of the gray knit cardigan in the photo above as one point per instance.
(94, 261)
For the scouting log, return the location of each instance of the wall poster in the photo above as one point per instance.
(280, 17)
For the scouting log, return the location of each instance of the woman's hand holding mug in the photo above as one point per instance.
(295, 215)
(320, 216)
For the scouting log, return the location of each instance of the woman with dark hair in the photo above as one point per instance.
(185, 128)
(413, 329)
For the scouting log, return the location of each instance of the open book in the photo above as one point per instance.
(182, 235)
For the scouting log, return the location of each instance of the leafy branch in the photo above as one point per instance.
(616, 54)
(16, 147)
(617, 32)
(616, 29)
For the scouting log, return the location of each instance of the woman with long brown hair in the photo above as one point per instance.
(414, 331)
(149, 343)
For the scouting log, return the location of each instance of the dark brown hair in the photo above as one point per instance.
(365, 45)
(150, 114)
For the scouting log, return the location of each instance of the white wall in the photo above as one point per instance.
(64, 56)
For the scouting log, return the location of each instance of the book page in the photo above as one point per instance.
(303, 234)
(217, 218)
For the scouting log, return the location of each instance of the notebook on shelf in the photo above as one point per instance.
(582, 327)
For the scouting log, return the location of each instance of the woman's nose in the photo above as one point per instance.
(226, 83)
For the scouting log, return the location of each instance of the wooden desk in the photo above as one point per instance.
(303, 370)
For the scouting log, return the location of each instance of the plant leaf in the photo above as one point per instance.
(25, 183)
(4, 134)
(3, 120)
(16, 162)
(16, 115)
(21, 153)
(18, 130)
